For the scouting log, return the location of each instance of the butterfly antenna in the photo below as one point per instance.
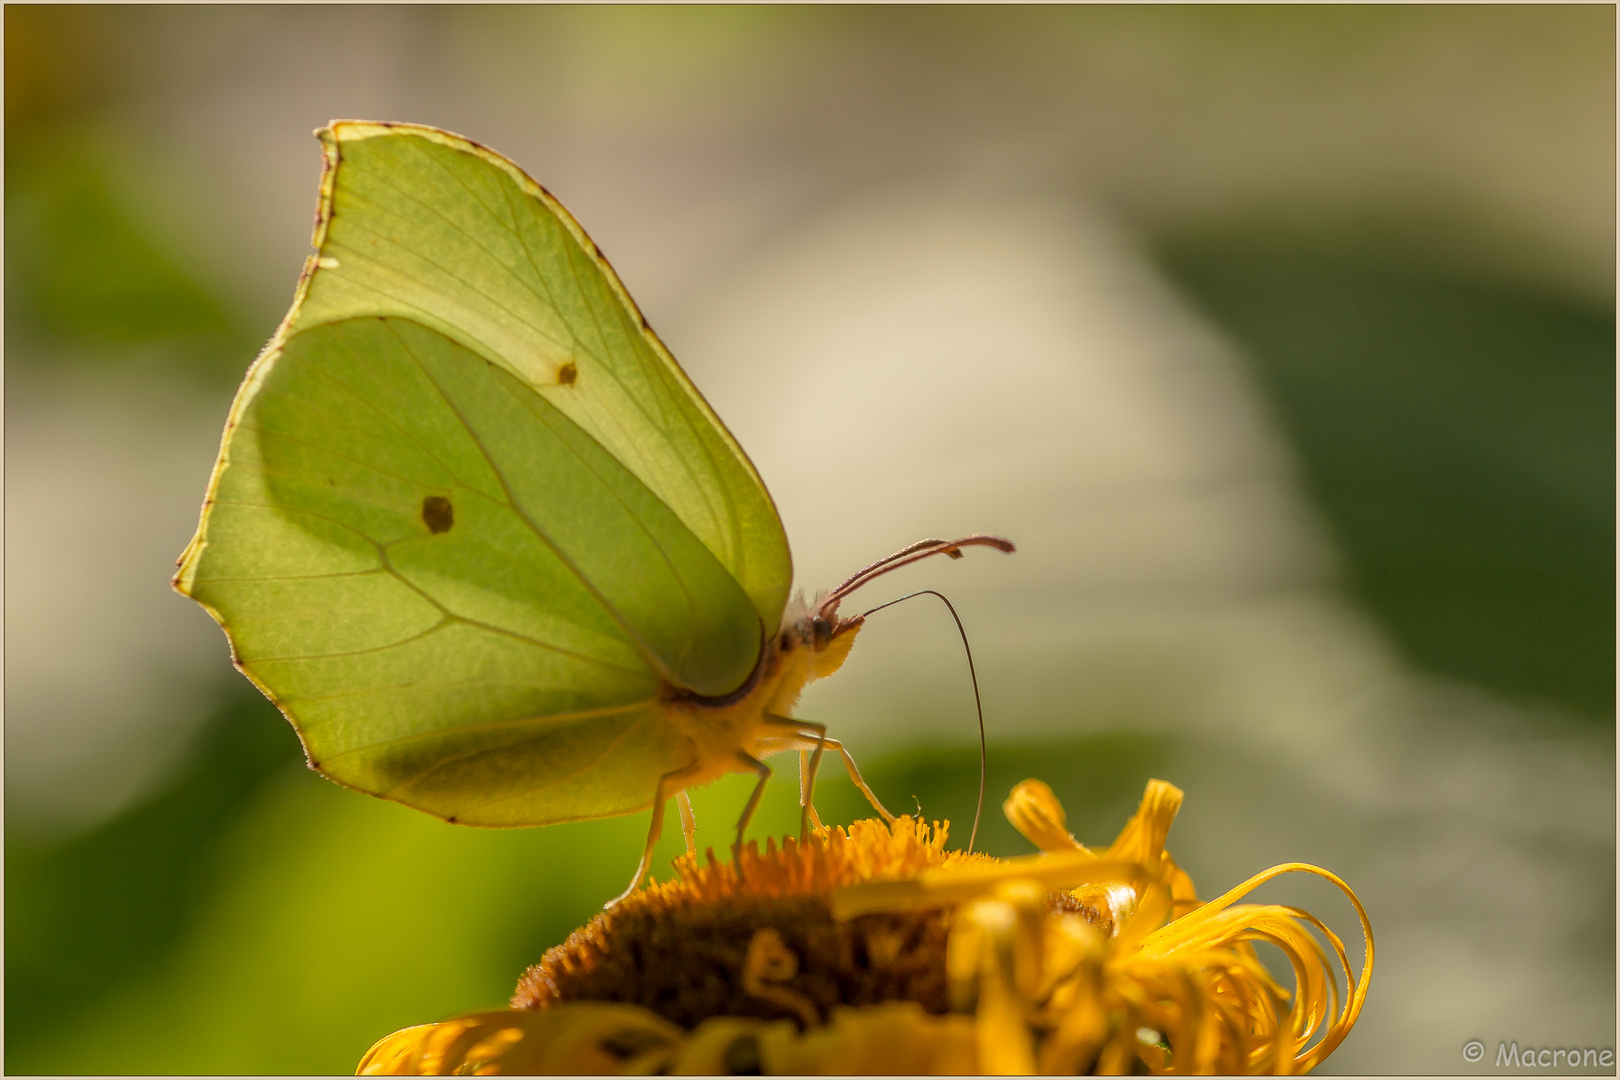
(922, 549)
(977, 704)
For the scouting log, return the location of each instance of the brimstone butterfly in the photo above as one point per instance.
(477, 535)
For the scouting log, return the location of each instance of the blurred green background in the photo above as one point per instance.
(1282, 340)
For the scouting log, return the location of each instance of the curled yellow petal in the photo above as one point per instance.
(1142, 838)
(1036, 812)
(1219, 923)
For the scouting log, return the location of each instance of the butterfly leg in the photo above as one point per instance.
(809, 763)
(807, 776)
(807, 784)
(855, 775)
(683, 803)
(660, 797)
(818, 732)
(764, 772)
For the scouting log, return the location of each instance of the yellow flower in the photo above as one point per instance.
(875, 950)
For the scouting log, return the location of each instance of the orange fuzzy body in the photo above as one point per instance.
(719, 732)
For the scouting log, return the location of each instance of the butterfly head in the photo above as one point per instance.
(825, 636)
(818, 630)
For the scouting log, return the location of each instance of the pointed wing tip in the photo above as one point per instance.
(339, 130)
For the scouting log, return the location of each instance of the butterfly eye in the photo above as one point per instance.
(821, 630)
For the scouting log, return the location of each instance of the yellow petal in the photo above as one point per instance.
(727, 1045)
(953, 884)
(1036, 812)
(1142, 838)
(894, 1038)
(575, 1038)
(1218, 923)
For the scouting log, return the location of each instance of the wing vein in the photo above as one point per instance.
(495, 725)
(631, 635)
(686, 594)
(435, 628)
(384, 212)
(380, 413)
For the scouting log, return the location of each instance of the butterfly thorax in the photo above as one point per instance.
(806, 648)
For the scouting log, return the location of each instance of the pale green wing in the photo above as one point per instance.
(463, 596)
(417, 222)
(407, 548)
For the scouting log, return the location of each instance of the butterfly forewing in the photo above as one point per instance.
(470, 522)
(428, 226)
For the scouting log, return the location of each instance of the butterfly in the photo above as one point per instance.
(477, 535)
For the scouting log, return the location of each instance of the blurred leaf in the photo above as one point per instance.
(1457, 433)
(335, 919)
(87, 914)
(88, 279)
(79, 269)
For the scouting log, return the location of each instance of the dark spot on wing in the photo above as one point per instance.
(437, 514)
(567, 374)
(451, 819)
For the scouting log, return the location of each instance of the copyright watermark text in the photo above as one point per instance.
(1510, 1056)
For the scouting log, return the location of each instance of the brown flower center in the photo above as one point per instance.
(765, 946)
(688, 964)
